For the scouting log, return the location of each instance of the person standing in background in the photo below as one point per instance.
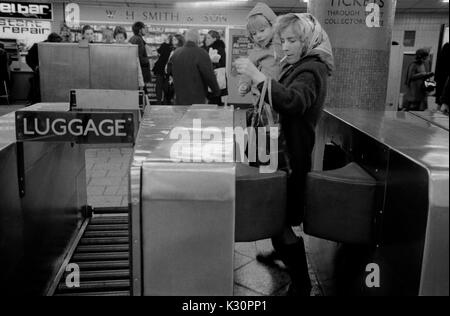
(216, 49)
(87, 34)
(120, 36)
(4, 70)
(108, 36)
(139, 31)
(442, 73)
(65, 34)
(193, 72)
(32, 60)
(445, 97)
(177, 42)
(159, 70)
(416, 97)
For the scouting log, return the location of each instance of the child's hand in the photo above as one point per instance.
(245, 67)
(243, 89)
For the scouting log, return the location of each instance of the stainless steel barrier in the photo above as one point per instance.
(37, 227)
(183, 209)
(132, 101)
(435, 118)
(410, 157)
(44, 200)
(64, 67)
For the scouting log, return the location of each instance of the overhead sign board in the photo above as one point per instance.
(26, 10)
(77, 127)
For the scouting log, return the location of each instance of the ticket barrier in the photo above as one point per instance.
(434, 118)
(396, 241)
(192, 198)
(121, 101)
(67, 66)
(43, 200)
(43, 194)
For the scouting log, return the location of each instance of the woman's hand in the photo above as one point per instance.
(245, 67)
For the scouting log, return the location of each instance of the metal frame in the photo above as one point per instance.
(410, 156)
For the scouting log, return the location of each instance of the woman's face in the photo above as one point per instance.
(209, 40)
(175, 41)
(65, 33)
(292, 47)
(89, 35)
(120, 38)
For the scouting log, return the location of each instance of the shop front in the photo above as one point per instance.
(163, 20)
(21, 25)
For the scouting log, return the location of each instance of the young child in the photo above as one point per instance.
(267, 53)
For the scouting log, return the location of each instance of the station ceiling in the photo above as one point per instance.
(285, 5)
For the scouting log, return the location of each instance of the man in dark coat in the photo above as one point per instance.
(32, 60)
(139, 30)
(4, 70)
(193, 72)
(442, 72)
(159, 70)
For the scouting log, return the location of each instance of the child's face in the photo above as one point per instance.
(262, 35)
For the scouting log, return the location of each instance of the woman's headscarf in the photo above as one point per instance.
(314, 38)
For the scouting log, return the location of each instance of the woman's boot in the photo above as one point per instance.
(294, 257)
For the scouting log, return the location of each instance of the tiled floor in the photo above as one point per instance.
(107, 184)
(251, 278)
(107, 178)
(107, 170)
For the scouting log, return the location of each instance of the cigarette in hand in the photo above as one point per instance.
(283, 59)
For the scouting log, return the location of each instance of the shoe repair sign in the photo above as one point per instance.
(77, 127)
(26, 10)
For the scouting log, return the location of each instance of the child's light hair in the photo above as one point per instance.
(257, 22)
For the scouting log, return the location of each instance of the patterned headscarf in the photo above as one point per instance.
(314, 38)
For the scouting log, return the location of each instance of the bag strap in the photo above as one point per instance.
(262, 97)
(269, 107)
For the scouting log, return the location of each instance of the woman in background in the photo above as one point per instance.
(216, 49)
(416, 98)
(120, 36)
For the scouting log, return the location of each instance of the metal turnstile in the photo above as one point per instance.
(67, 66)
(183, 210)
(409, 157)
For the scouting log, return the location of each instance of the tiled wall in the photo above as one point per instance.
(359, 79)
